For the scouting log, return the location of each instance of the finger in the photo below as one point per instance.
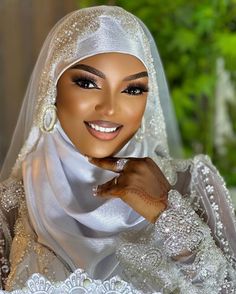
(144, 204)
(115, 164)
(106, 188)
(113, 188)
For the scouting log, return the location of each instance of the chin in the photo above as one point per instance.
(97, 154)
(100, 152)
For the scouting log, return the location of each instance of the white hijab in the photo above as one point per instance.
(80, 228)
(58, 180)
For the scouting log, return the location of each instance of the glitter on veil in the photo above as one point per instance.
(80, 229)
(59, 52)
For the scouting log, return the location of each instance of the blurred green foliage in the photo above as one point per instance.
(190, 36)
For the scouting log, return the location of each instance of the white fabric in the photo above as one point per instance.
(132, 27)
(173, 135)
(109, 37)
(58, 181)
(79, 227)
(211, 266)
(78, 282)
(83, 230)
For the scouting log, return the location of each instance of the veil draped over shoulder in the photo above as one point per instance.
(83, 230)
(58, 187)
(74, 38)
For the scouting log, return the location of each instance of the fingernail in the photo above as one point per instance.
(95, 191)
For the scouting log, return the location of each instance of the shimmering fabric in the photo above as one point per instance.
(52, 224)
(57, 179)
(179, 254)
(67, 218)
(153, 258)
(62, 210)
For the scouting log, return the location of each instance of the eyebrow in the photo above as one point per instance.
(90, 69)
(136, 76)
(101, 74)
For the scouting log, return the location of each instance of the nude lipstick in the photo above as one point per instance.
(103, 130)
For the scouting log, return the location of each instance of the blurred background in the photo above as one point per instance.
(197, 44)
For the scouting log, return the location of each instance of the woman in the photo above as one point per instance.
(92, 124)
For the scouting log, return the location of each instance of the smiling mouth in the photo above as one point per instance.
(103, 130)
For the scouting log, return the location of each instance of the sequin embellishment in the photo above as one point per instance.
(11, 191)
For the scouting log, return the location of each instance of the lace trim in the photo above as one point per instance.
(170, 167)
(78, 282)
(177, 254)
(179, 226)
(204, 169)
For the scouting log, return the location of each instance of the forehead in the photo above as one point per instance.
(120, 60)
(110, 65)
(113, 55)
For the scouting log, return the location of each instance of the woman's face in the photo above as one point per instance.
(101, 101)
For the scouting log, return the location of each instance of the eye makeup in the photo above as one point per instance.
(136, 88)
(84, 80)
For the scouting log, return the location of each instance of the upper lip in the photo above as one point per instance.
(104, 123)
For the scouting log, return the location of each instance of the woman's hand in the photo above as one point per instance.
(140, 184)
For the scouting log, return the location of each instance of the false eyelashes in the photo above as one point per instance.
(87, 82)
(136, 88)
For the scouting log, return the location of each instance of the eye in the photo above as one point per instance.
(135, 90)
(86, 83)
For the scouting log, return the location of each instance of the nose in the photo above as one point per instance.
(106, 105)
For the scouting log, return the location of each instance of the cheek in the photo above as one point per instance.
(74, 104)
(135, 111)
(81, 106)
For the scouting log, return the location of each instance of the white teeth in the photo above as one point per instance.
(101, 129)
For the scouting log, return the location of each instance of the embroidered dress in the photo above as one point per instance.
(152, 258)
(57, 238)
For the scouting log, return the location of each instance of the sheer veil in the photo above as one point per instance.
(26, 116)
(173, 135)
(27, 131)
(81, 230)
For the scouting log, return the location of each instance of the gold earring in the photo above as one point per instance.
(48, 119)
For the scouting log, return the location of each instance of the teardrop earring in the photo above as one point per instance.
(48, 118)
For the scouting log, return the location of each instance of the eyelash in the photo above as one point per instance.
(136, 86)
(84, 81)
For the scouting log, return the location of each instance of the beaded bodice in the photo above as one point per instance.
(190, 249)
